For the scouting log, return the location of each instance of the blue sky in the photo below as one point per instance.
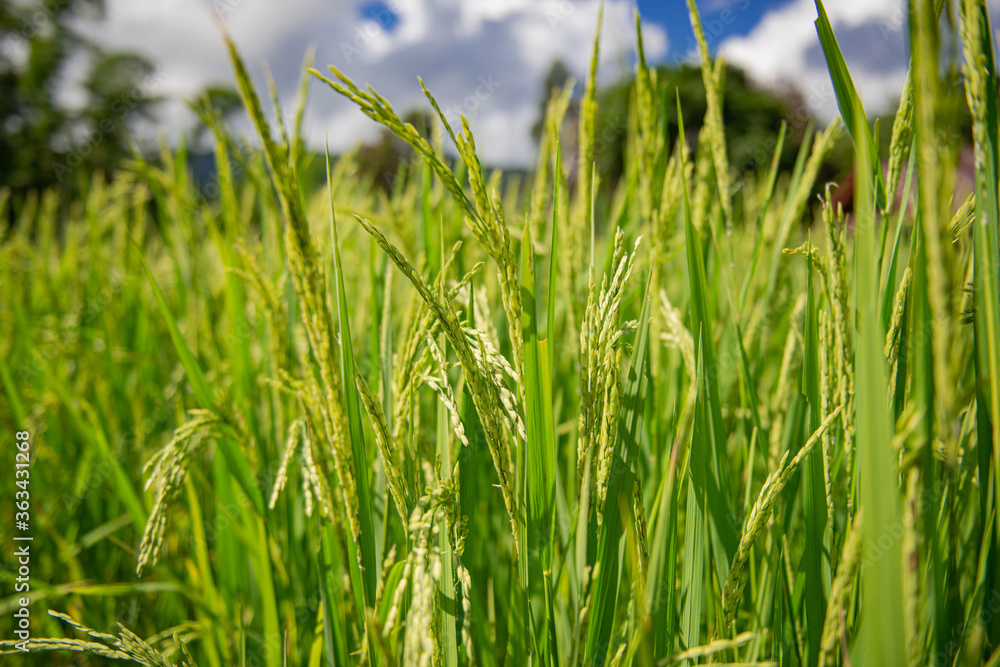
(487, 58)
(722, 19)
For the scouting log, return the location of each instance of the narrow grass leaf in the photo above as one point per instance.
(882, 580)
(849, 101)
(367, 558)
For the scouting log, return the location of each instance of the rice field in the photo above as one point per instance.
(480, 420)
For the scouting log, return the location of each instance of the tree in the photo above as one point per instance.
(752, 117)
(42, 143)
(118, 95)
(221, 98)
(383, 159)
(555, 80)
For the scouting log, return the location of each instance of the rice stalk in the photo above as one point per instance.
(125, 646)
(390, 458)
(167, 471)
(291, 448)
(485, 393)
(714, 132)
(760, 514)
(840, 592)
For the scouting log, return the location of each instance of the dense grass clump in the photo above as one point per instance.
(461, 424)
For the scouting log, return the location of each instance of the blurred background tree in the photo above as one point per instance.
(224, 99)
(49, 126)
(44, 137)
(555, 80)
(752, 117)
(386, 158)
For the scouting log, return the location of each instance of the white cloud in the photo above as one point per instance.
(452, 44)
(784, 47)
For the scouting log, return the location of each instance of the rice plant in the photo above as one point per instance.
(707, 420)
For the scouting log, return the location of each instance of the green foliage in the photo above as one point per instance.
(752, 117)
(796, 464)
(43, 144)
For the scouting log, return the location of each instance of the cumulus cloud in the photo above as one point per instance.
(486, 58)
(784, 47)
